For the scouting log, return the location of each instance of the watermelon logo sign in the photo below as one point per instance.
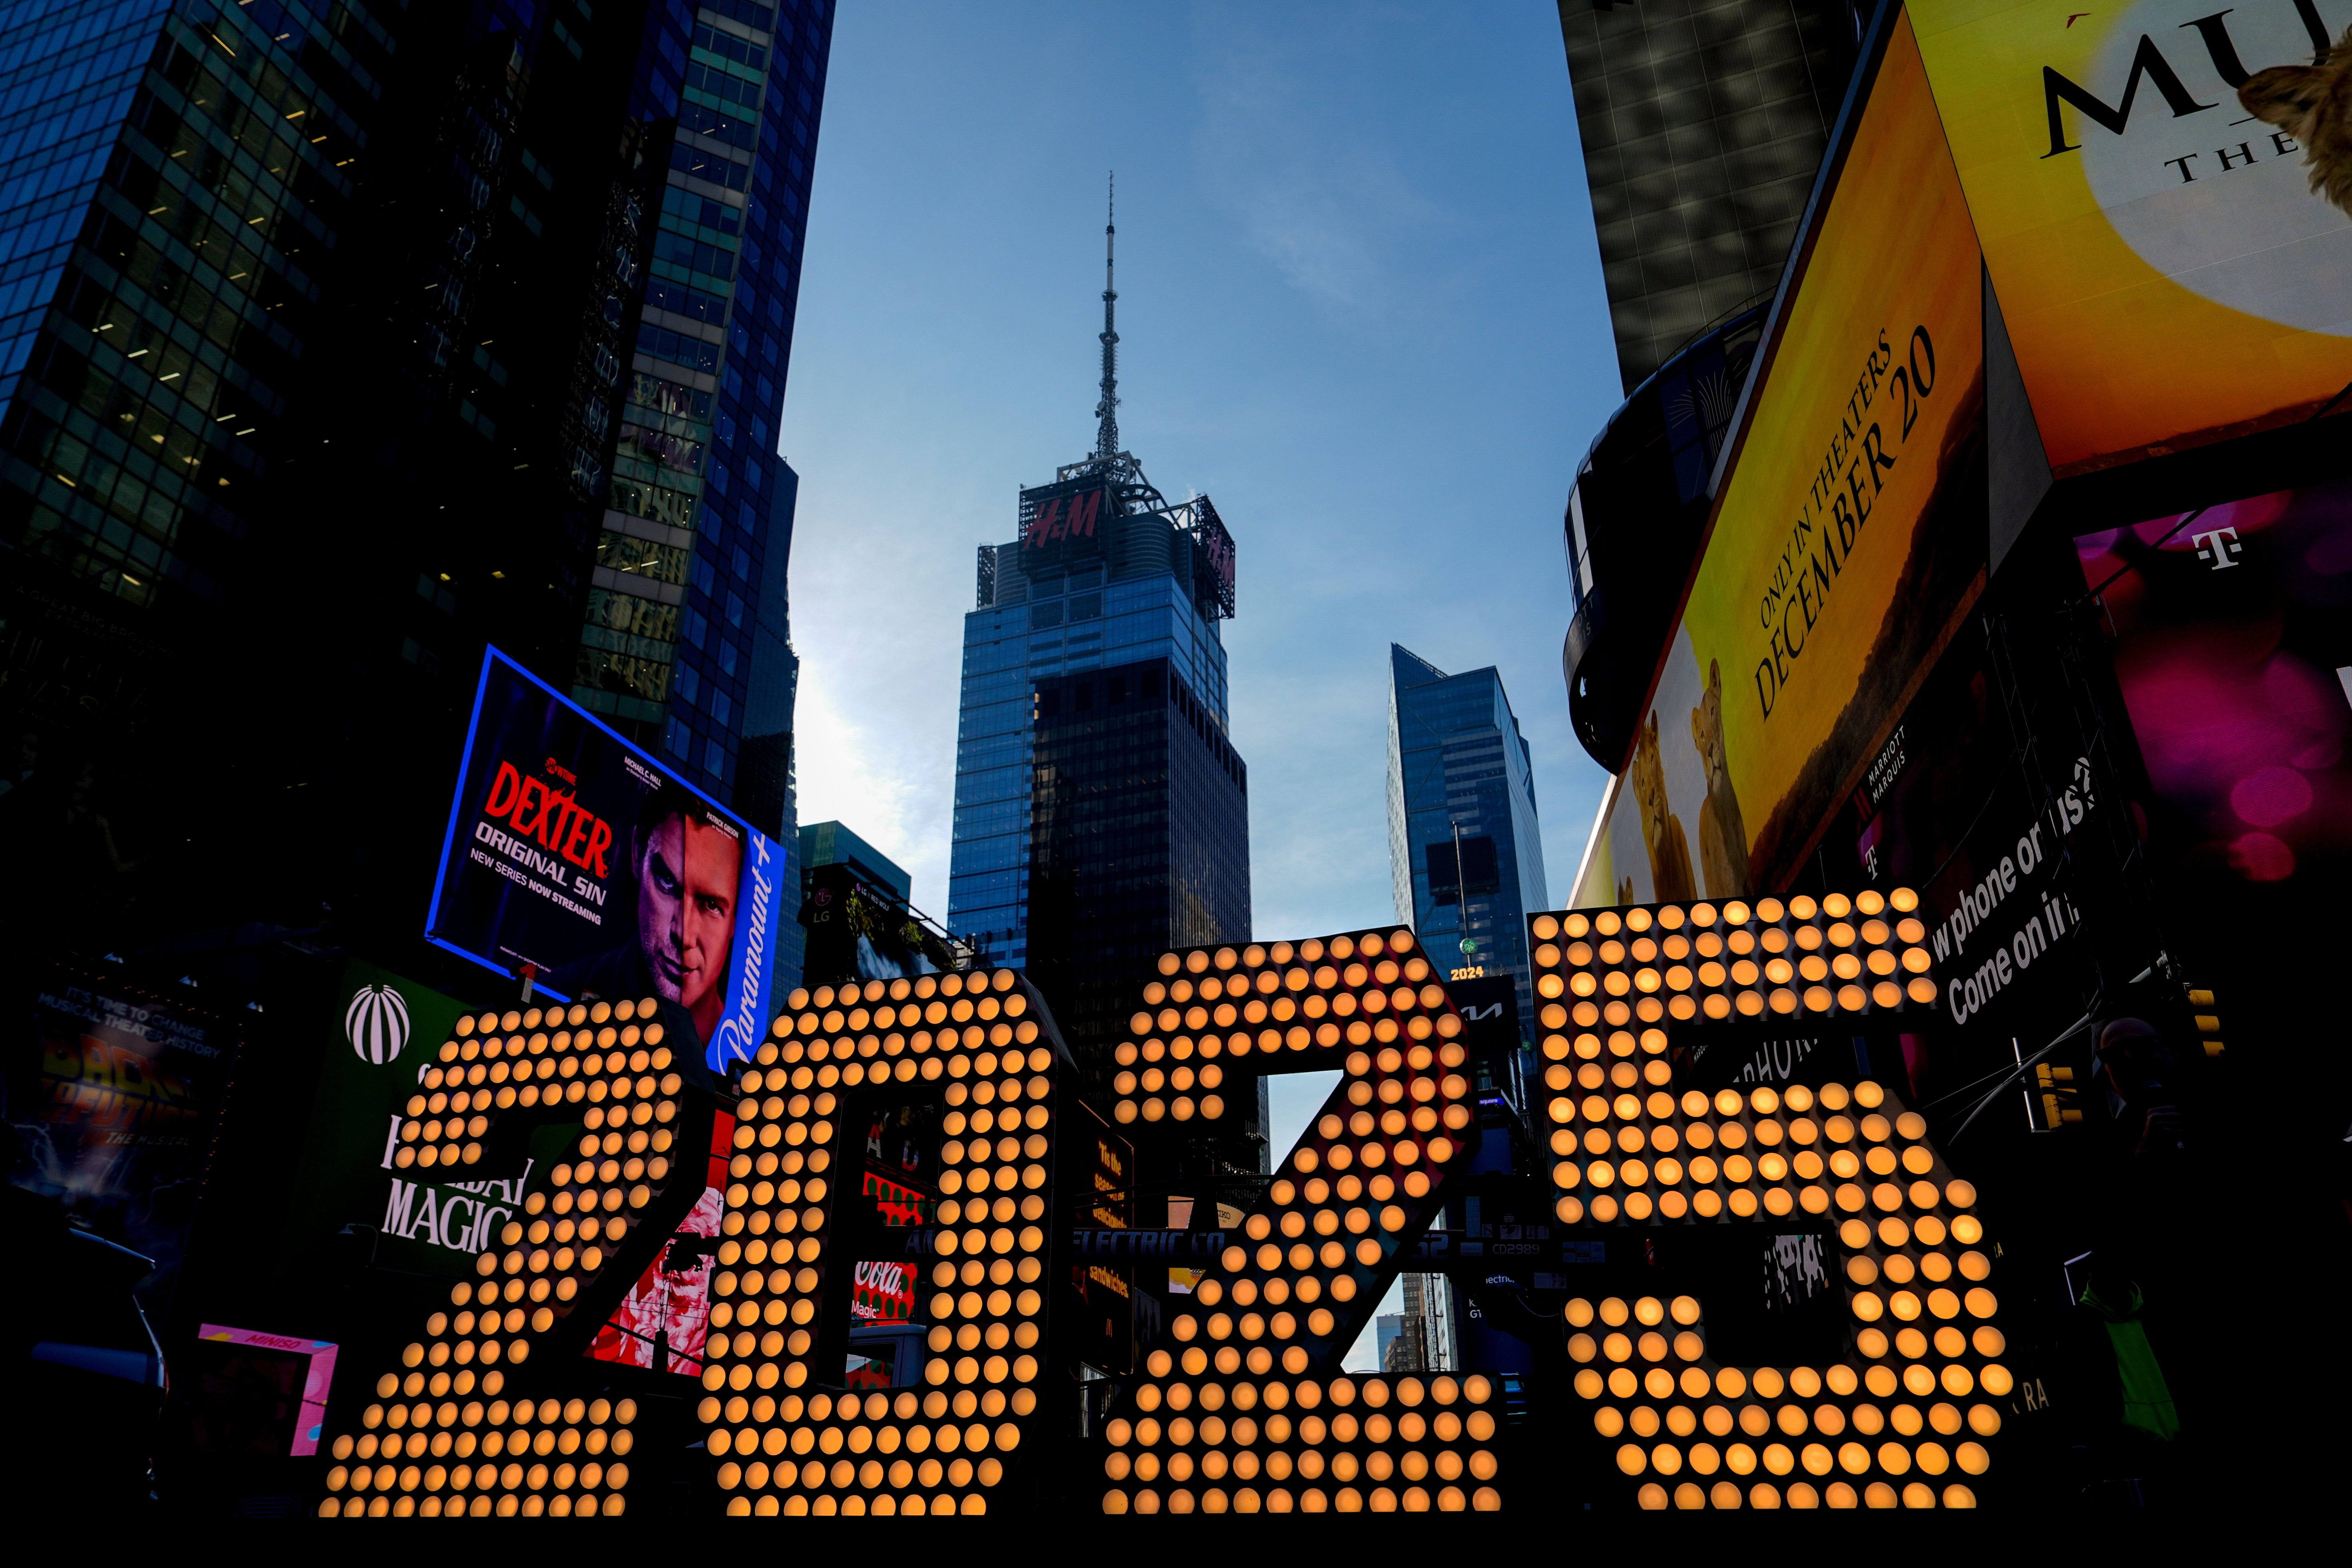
(376, 1024)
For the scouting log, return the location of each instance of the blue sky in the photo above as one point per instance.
(1360, 306)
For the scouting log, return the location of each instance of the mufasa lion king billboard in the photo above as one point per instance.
(2160, 190)
(1848, 539)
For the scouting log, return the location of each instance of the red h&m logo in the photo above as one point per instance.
(1220, 549)
(1063, 517)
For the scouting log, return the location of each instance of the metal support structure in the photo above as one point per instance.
(1107, 411)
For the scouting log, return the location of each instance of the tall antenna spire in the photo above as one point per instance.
(1107, 411)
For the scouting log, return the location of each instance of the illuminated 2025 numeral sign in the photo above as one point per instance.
(480, 1415)
(1244, 1407)
(1899, 1419)
(1249, 1409)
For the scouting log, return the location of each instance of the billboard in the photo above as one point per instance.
(860, 932)
(1848, 536)
(1065, 523)
(664, 1322)
(2168, 273)
(574, 853)
(1101, 1296)
(2010, 845)
(363, 1167)
(2233, 649)
(117, 1123)
(261, 1392)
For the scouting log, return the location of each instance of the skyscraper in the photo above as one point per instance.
(1465, 851)
(833, 844)
(1703, 124)
(1422, 1336)
(768, 784)
(338, 341)
(684, 567)
(1101, 810)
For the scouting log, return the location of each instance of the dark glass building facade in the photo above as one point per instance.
(1464, 848)
(338, 341)
(1143, 583)
(1102, 810)
(1138, 836)
(683, 552)
(1703, 124)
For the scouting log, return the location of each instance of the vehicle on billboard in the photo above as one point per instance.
(575, 857)
(1847, 539)
(2158, 210)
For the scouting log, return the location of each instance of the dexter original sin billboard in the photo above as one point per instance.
(573, 854)
(1848, 538)
(2169, 241)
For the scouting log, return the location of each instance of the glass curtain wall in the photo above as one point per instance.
(1460, 775)
(1027, 632)
(682, 556)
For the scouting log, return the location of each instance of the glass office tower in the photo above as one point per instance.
(337, 342)
(1102, 654)
(1460, 775)
(682, 572)
(767, 784)
(1101, 814)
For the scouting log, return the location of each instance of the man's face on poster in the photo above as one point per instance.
(687, 877)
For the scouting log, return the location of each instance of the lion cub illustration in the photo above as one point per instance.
(2313, 104)
(1722, 836)
(1662, 830)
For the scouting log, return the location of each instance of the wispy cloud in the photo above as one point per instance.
(1279, 143)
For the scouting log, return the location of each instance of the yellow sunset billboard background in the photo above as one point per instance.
(2169, 284)
(1849, 538)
